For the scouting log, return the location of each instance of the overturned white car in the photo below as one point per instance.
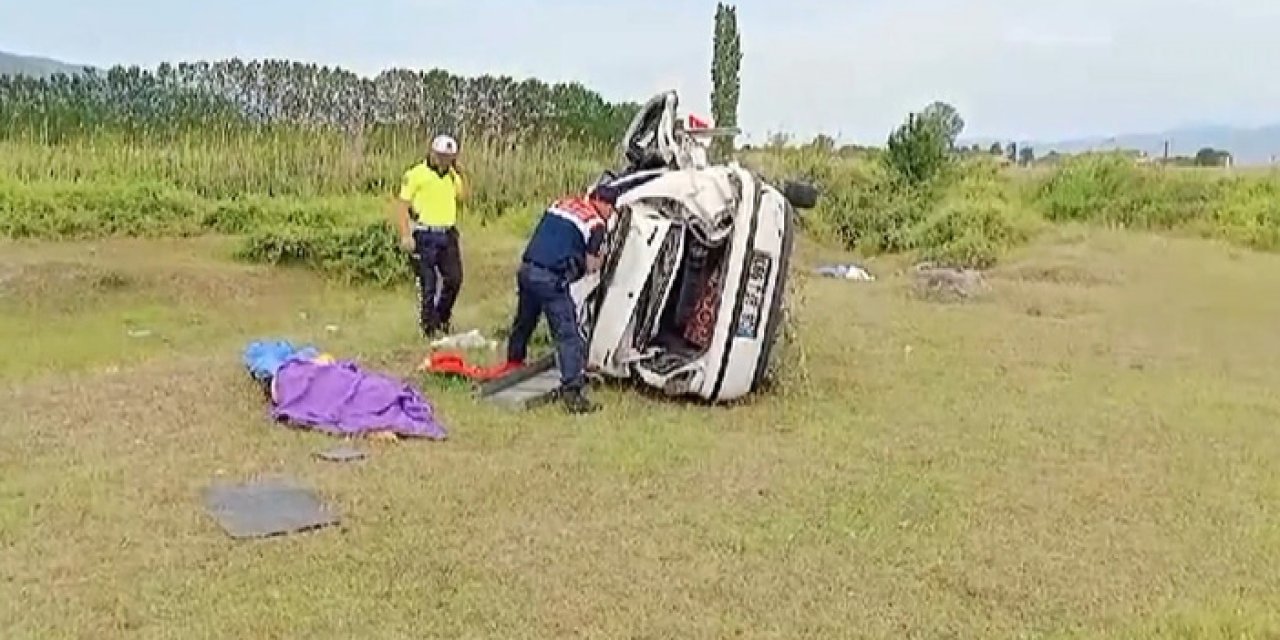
(690, 300)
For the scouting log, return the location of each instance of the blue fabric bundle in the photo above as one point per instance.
(263, 358)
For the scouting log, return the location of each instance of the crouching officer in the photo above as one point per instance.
(567, 244)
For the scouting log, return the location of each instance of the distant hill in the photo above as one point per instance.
(14, 64)
(1248, 146)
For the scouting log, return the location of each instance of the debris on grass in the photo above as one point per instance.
(948, 284)
(472, 339)
(266, 508)
(846, 272)
(344, 453)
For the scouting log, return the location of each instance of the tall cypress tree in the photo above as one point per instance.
(725, 83)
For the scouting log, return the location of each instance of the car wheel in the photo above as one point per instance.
(801, 195)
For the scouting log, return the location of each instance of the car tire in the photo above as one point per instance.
(801, 195)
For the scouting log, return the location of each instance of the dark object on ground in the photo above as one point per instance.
(801, 195)
(341, 454)
(524, 388)
(266, 508)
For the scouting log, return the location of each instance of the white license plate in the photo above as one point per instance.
(758, 271)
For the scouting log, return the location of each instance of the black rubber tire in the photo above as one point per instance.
(801, 195)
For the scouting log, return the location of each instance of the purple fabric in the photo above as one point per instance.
(341, 399)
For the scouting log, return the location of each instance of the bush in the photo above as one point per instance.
(1248, 213)
(967, 217)
(65, 210)
(880, 218)
(919, 151)
(978, 219)
(861, 205)
(1111, 189)
(1082, 188)
(368, 254)
(305, 198)
(971, 232)
(72, 210)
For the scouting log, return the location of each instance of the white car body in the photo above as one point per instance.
(683, 225)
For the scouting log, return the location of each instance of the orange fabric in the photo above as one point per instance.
(452, 363)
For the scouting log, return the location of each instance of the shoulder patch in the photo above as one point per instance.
(578, 208)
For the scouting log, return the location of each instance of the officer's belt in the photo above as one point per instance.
(560, 271)
(432, 228)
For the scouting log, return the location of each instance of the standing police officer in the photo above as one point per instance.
(428, 217)
(567, 243)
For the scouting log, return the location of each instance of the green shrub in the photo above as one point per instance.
(968, 216)
(1112, 189)
(861, 205)
(1083, 188)
(977, 219)
(70, 210)
(368, 254)
(971, 232)
(310, 198)
(919, 151)
(1248, 213)
(881, 217)
(66, 210)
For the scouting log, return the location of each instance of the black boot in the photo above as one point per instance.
(576, 402)
(431, 331)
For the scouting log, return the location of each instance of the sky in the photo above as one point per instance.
(852, 69)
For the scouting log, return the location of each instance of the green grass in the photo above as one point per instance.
(310, 198)
(1086, 451)
(301, 164)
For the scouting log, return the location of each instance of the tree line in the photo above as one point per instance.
(234, 95)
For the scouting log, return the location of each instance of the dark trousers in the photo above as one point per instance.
(543, 292)
(436, 259)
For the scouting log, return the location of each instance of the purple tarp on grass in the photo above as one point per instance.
(342, 399)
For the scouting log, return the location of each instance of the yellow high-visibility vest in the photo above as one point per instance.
(433, 197)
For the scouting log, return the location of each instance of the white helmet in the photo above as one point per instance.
(445, 145)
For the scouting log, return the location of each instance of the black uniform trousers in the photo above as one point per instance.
(437, 265)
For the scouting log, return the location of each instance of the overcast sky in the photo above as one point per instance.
(1017, 69)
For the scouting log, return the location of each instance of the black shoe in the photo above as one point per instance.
(576, 402)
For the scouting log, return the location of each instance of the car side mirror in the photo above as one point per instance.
(801, 195)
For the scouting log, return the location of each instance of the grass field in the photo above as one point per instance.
(1087, 450)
